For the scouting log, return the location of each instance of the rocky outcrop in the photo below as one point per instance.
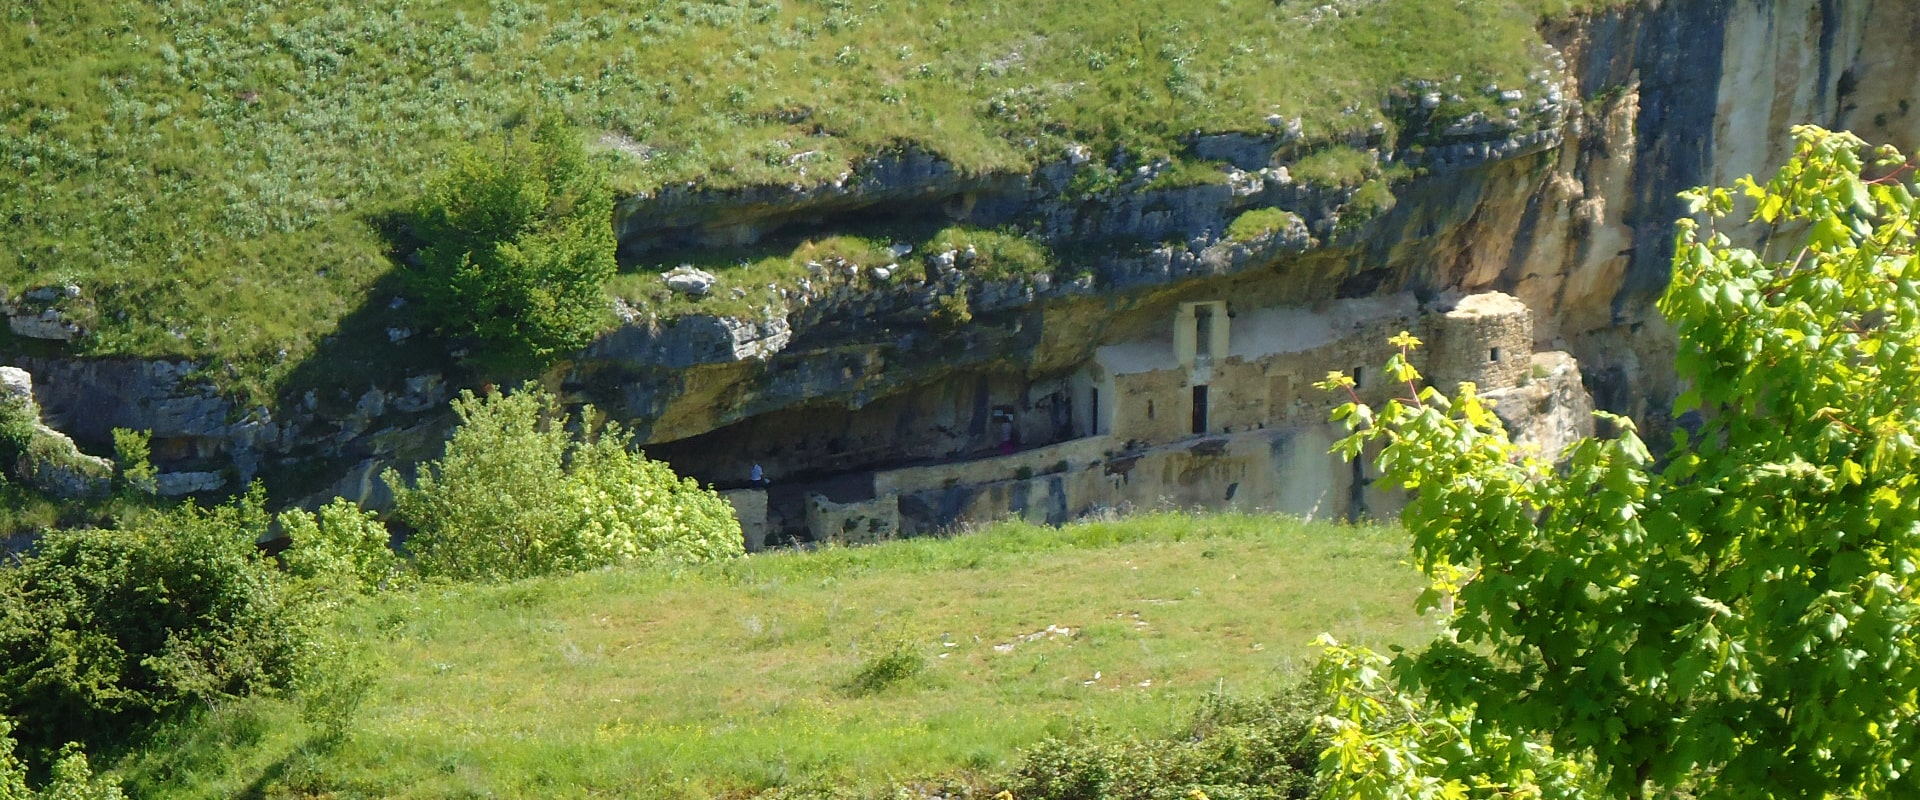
(1561, 196)
(42, 457)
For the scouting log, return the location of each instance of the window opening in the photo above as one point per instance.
(1203, 331)
(1200, 408)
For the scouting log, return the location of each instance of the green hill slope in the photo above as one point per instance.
(729, 679)
(213, 175)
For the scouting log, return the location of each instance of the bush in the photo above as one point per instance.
(341, 547)
(1232, 750)
(892, 663)
(133, 461)
(71, 776)
(18, 417)
(517, 495)
(103, 630)
(518, 243)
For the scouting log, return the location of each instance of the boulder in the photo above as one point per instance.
(16, 382)
(689, 281)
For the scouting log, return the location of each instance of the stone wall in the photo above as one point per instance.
(1038, 461)
(1286, 470)
(862, 522)
(750, 507)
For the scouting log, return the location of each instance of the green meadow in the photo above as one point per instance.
(859, 668)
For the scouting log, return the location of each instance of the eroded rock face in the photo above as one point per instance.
(1564, 201)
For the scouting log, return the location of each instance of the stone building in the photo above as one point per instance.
(1216, 409)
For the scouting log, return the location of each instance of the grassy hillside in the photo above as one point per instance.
(733, 678)
(213, 173)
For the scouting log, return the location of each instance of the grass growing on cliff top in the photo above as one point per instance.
(212, 172)
(751, 278)
(855, 667)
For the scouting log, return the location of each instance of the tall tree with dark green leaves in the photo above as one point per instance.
(1735, 618)
(519, 242)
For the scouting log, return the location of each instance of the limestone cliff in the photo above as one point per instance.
(1563, 200)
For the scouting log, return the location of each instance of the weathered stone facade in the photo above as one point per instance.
(1219, 411)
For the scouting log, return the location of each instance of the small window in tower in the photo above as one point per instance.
(1203, 331)
(1494, 354)
(1359, 377)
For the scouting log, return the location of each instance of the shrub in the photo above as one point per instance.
(518, 243)
(103, 630)
(1232, 750)
(891, 664)
(133, 460)
(517, 495)
(636, 509)
(18, 417)
(71, 776)
(951, 312)
(341, 546)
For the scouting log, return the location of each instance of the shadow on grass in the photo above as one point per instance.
(376, 348)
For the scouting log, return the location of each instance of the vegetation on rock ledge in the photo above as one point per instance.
(211, 174)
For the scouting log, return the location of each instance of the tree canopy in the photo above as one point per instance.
(519, 243)
(1733, 617)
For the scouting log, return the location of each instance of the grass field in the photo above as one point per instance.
(724, 680)
(213, 174)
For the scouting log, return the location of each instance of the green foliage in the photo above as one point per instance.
(1384, 742)
(730, 676)
(133, 460)
(951, 312)
(1373, 198)
(73, 779)
(1261, 222)
(1737, 618)
(1335, 166)
(71, 776)
(517, 495)
(204, 170)
(102, 630)
(519, 243)
(18, 418)
(1231, 750)
(1181, 173)
(341, 546)
(13, 772)
(891, 663)
(992, 254)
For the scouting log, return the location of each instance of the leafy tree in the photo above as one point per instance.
(1736, 618)
(133, 460)
(104, 630)
(516, 494)
(1385, 743)
(519, 241)
(341, 546)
